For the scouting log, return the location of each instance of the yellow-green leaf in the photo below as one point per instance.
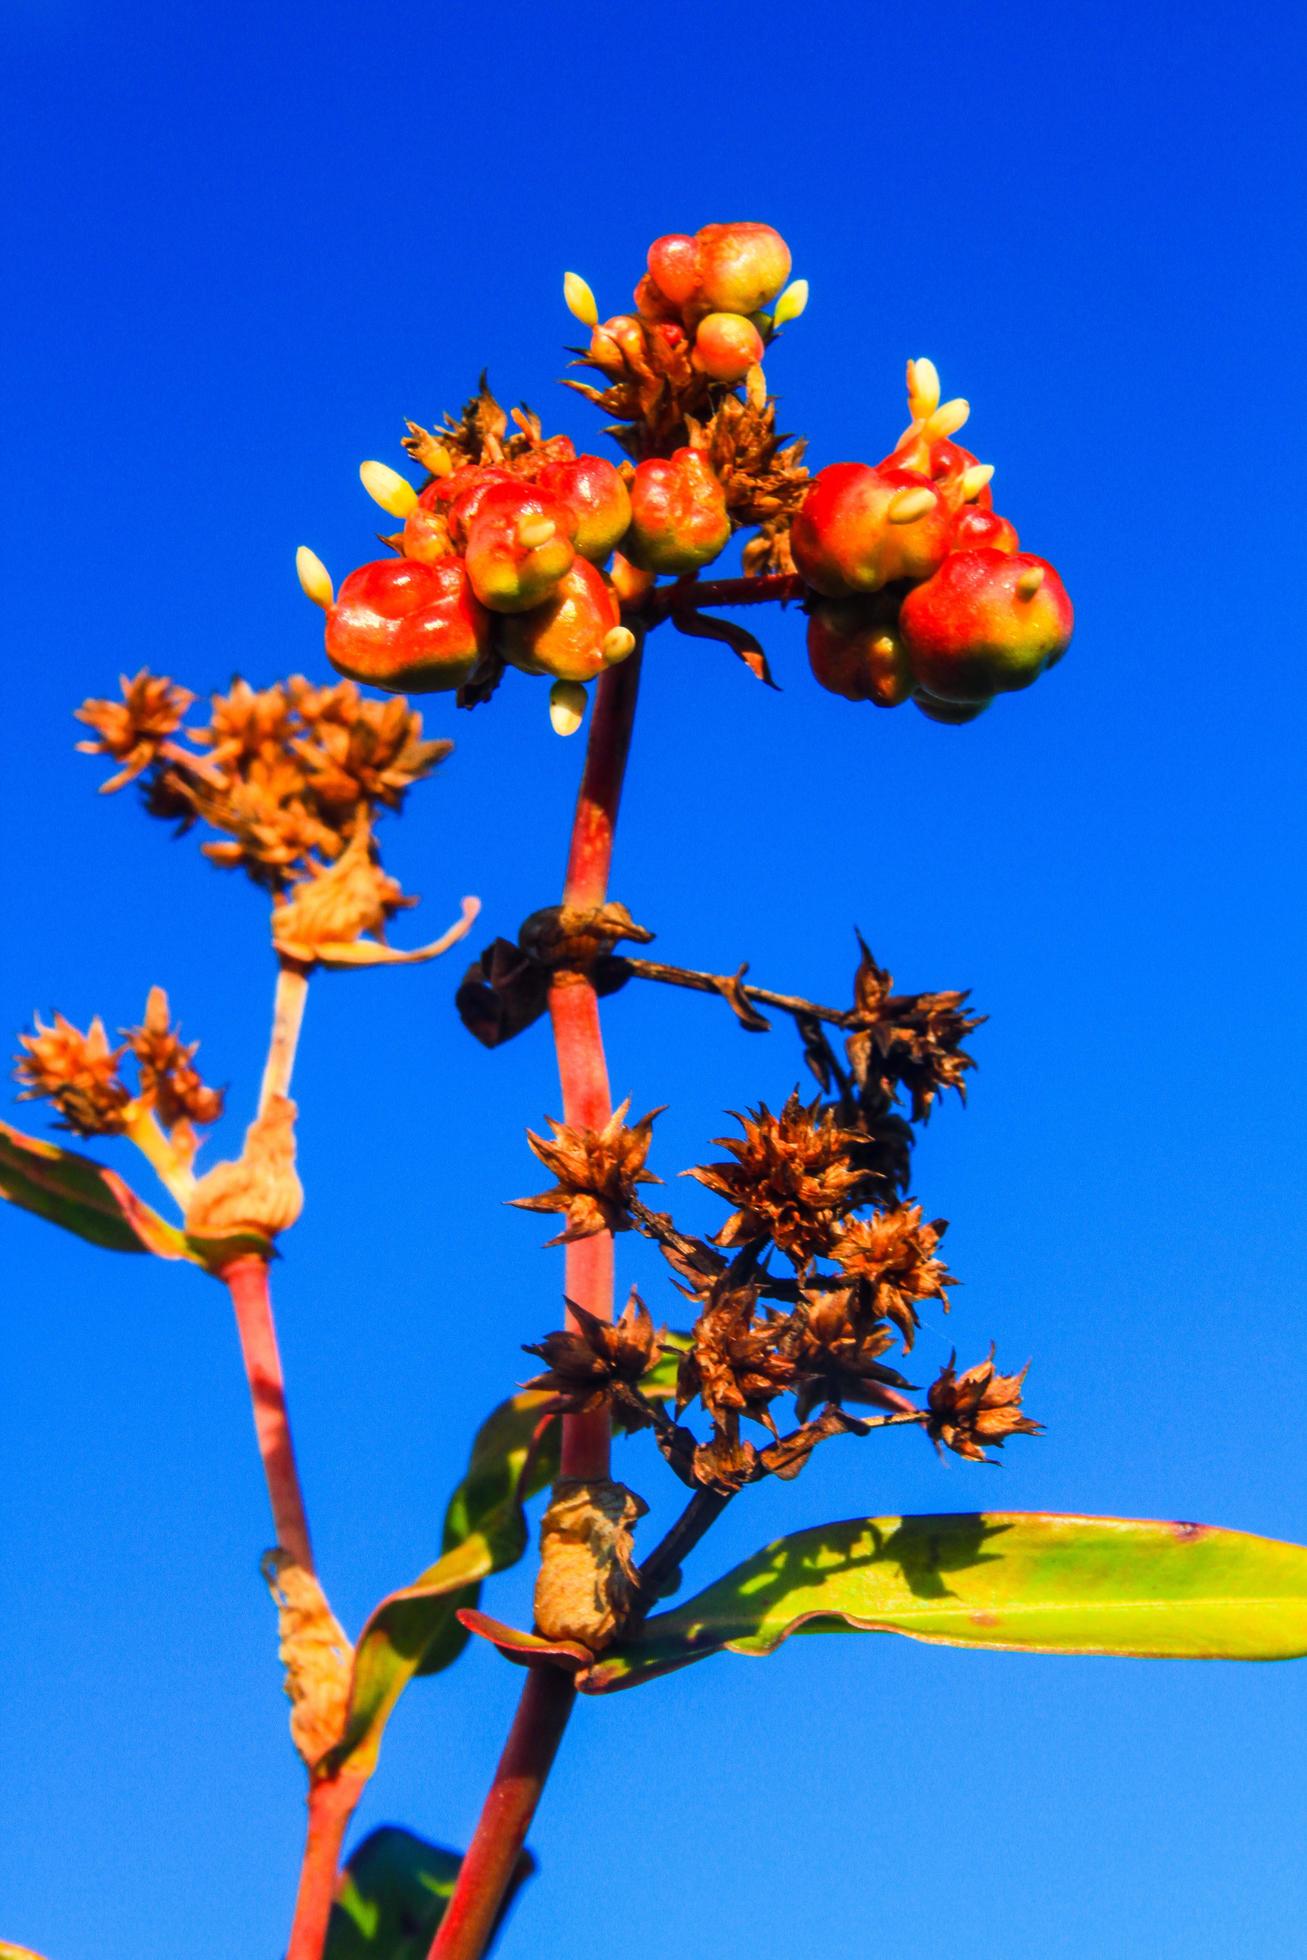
(83, 1197)
(1036, 1582)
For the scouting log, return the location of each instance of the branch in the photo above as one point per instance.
(727, 984)
(287, 1020)
(247, 1282)
(332, 1802)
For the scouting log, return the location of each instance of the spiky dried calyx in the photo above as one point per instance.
(585, 1362)
(169, 1079)
(597, 1172)
(741, 1357)
(134, 730)
(78, 1072)
(976, 1408)
(792, 1182)
(891, 1258)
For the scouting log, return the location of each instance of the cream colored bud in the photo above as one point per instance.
(439, 461)
(314, 578)
(566, 707)
(923, 389)
(883, 645)
(791, 304)
(947, 419)
(906, 506)
(755, 388)
(972, 481)
(579, 299)
(617, 643)
(388, 488)
(535, 529)
(1030, 581)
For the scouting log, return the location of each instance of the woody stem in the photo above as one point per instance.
(549, 1695)
(287, 1020)
(247, 1282)
(716, 983)
(699, 1515)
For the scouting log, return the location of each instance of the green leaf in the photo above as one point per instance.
(392, 1897)
(84, 1197)
(416, 1630)
(1035, 1582)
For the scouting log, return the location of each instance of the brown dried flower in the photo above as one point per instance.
(738, 1361)
(913, 1040)
(839, 1342)
(133, 730)
(597, 1173)
(168, 1077)
(792, 1182)
(892, 1256)
(315, 1653)
(79, 1075)
(584, 1362)
(360, 751)
(586, 1583)
(968, 1411)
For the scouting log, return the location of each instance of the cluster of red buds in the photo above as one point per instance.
(518, 552)
(920, 590)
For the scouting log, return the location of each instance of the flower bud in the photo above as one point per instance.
(970, 527)
(579, 300)
(726, 346)
(566, 707)
(314, 578)
(518, 547)
(597, 499)
(388, 488)
(741, 266)
(792, 305)
(674, 267)
(618, 346)
(856, 529)
(988, 622)
(854, 649)
(405, 626)
(679, 520)
(566, 636)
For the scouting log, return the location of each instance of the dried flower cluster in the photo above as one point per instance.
(81, 1074)
(822, 1184)
(289, 775)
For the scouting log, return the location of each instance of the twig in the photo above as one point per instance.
(724, 983)
(287, 1020)
(699, 1515)
(332, 1802)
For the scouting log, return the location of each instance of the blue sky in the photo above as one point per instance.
(244, 244)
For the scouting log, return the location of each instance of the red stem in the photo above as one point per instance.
(247, 1282)
(331, 1805)
(549, 1695)
(692, 595)
(492, 1856)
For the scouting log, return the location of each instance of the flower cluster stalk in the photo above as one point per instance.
(548, 1696)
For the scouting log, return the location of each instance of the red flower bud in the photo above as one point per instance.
(854, 649)
(674, 267)
(597, 498)
(945, 463)
(726, 346)
(407, 627)
(618, 344)
(519, 544)
(741, 266)
(566, 637)
(859, 528)
(971, 527)
(678, 514)
(988, 622)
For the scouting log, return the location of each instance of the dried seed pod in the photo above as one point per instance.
(586, 1581)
